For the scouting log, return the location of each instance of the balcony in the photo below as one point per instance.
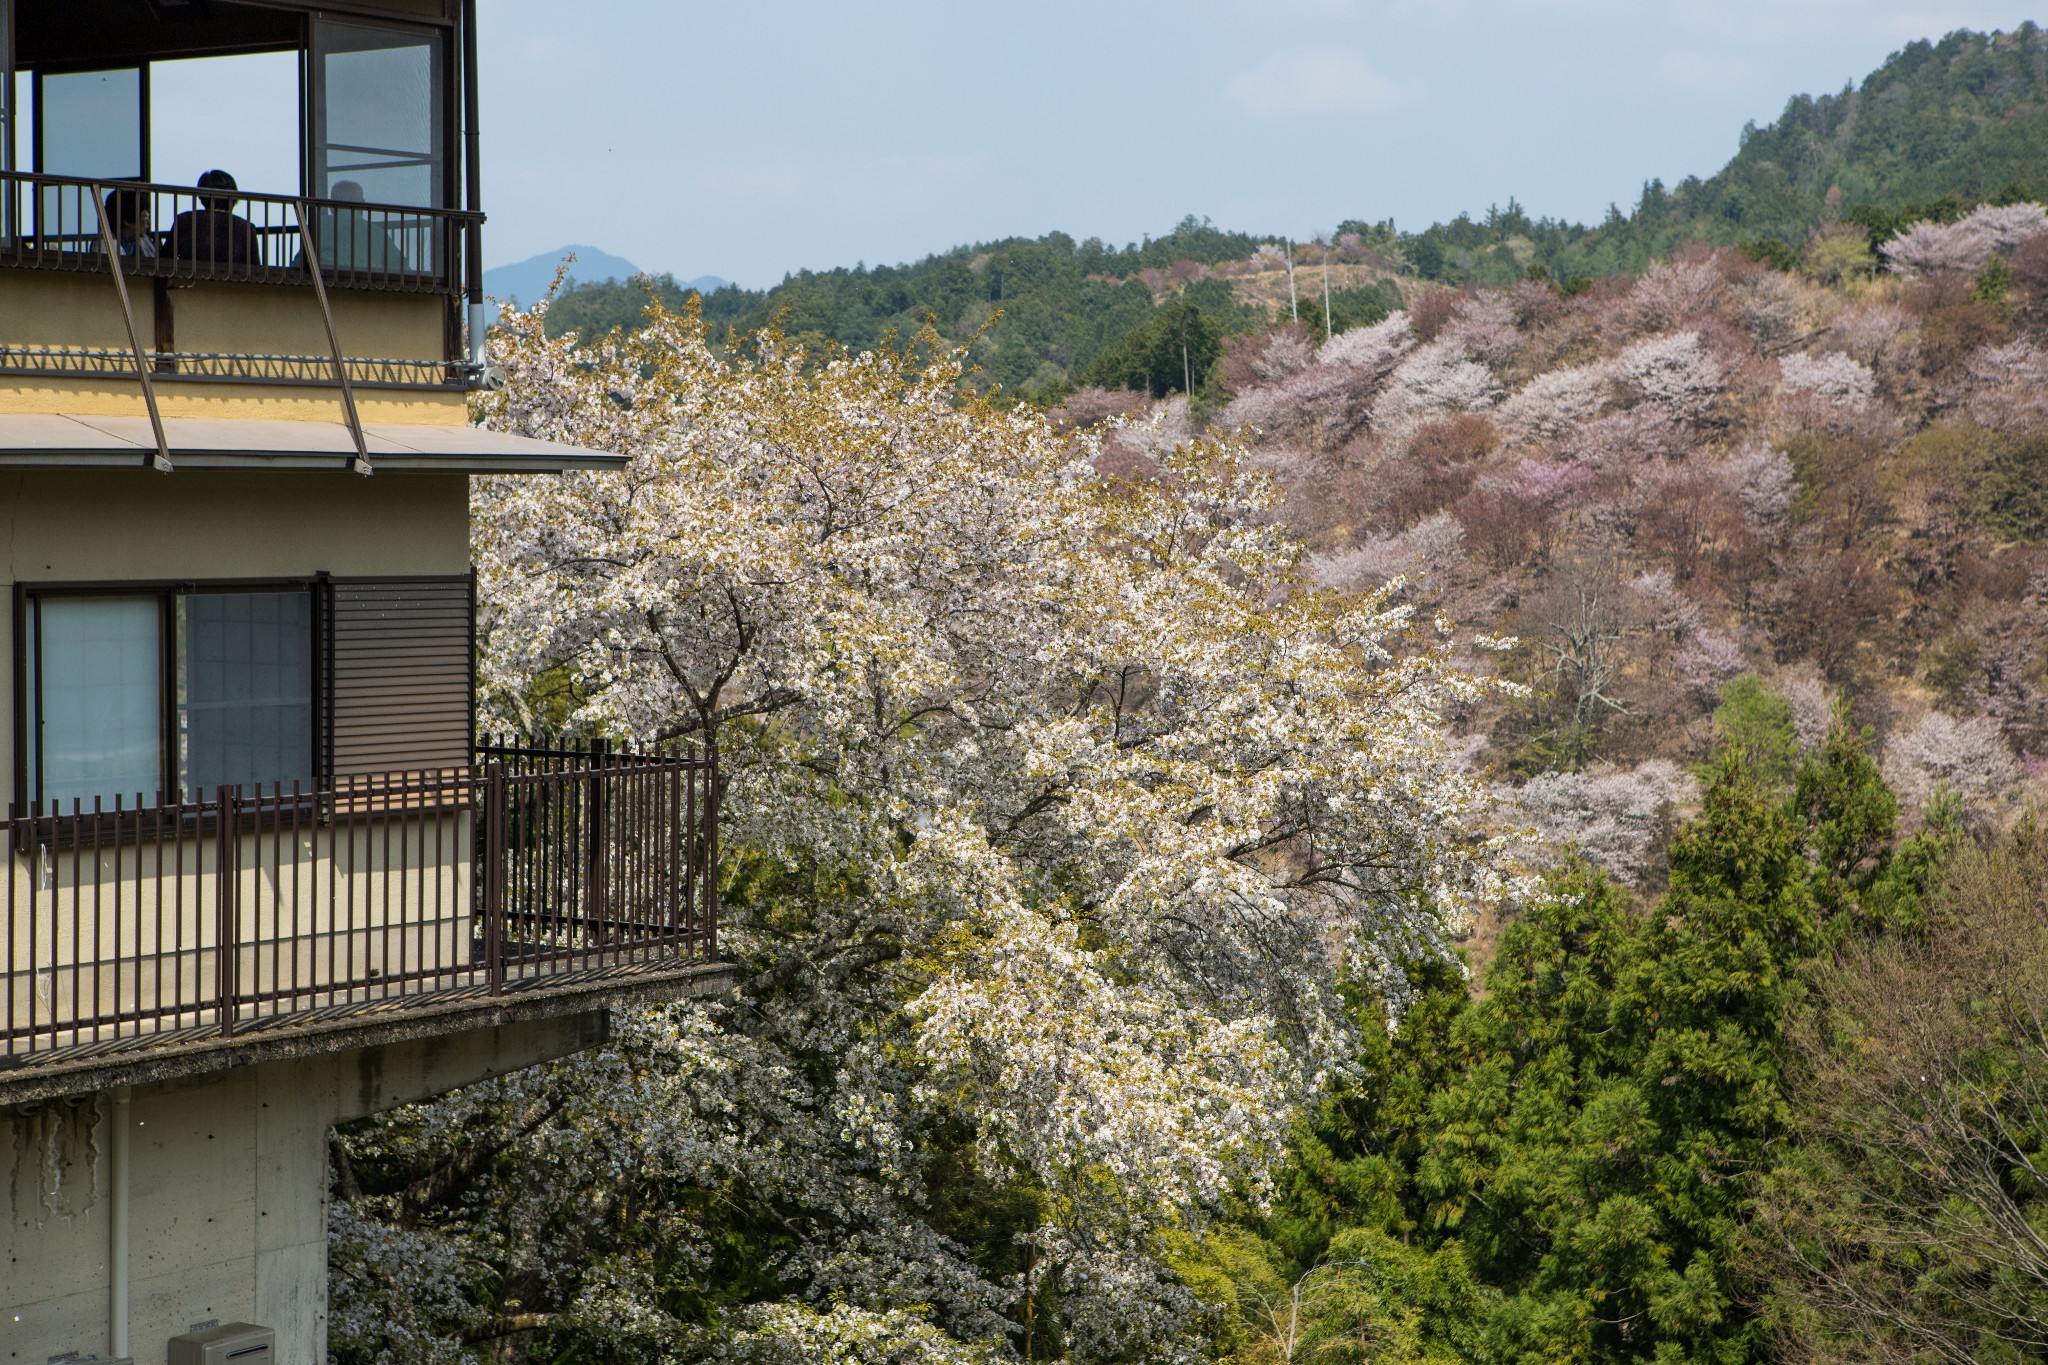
(50, 222)
(167, 237)
(186, 930)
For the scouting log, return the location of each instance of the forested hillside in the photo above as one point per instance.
(1776, 554)
(1938, 128)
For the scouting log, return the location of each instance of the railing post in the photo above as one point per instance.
(711, 802)
(494, 874)
(227, 870)
(595, 861)
(15, 961)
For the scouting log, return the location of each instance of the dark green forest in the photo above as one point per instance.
(1939, 127)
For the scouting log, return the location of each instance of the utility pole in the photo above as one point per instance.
(1325, 239)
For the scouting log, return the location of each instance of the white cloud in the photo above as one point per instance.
(1334, 81)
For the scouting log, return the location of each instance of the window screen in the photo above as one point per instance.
(377, 102)
(245, 689)
(98, 698)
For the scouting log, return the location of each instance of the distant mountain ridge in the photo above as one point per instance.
(523, 282)
(1941, 125)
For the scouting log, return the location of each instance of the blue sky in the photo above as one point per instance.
(753, 139)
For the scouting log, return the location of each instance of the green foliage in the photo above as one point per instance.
(1562, 1167)
(1351, 308)
(1771, 252)
(1837, 257)
(595, 309)
(1940, 127)
(1905, 1221)
(1755, 725)
(1170, 352)
(1993, 282)
(1039, 310)
(2001, 479)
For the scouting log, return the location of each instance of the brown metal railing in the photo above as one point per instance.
(175, 232)
(165, 922)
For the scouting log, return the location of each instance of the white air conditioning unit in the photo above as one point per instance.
(237, 1343)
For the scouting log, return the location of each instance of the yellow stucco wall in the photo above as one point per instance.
(76, 526)
(82, 311)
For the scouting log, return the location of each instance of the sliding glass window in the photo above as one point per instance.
(147, 694)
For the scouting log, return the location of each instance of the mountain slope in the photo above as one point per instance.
(1939, 126)
(525, 281)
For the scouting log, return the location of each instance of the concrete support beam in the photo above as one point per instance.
(227, 1190)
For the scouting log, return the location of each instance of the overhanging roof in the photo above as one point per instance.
(48, 440)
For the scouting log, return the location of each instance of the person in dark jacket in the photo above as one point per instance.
(128, 217)
(212, 236)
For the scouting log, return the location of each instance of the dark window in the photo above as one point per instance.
(244, 688)
(137, 694)
(136, 691)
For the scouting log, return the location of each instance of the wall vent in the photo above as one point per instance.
(234, 1343)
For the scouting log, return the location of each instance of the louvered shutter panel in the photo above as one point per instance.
(400, 677)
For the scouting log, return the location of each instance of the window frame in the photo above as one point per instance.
(448, 40)
(28, 681)
(38, 125)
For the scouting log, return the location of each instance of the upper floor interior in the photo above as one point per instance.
(289, 191)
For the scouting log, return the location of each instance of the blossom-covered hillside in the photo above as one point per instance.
(1669, 482)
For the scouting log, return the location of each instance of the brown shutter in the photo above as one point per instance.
(399, 681)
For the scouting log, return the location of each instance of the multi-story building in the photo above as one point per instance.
(258, 876)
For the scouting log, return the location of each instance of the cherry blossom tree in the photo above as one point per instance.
(1428, 552)
(1968, 757)
(1436, 377)
(1616, 818)
(1067, 802)
(1928, 247)
(1484, 324)
(1555, 401)
(1834, 378)
(1672, 293)
(1674, 372)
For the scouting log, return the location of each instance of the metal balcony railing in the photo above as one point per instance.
(50, 222)
(151, 925)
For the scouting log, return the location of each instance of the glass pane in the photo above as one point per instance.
(245, 689)
(237, 114)
(377, 101)
(6, 86)
(89, 125)
(101, 699)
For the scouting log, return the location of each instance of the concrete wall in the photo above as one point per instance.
(227, 1194)
(83, 527)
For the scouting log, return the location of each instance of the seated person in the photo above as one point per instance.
(212, 235)
(348, 240)
(128, 216)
